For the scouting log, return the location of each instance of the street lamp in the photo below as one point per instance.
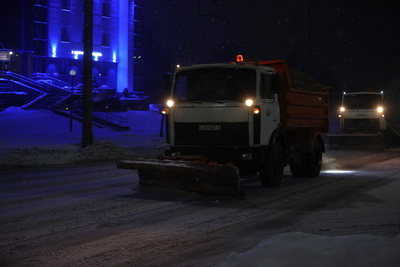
(72, 73)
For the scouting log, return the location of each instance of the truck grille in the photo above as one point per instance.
(212, 134)
(362, 125)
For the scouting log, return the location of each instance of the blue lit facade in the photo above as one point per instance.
(52, 40)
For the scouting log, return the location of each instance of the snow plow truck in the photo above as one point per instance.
(231, 120)
(368, 119)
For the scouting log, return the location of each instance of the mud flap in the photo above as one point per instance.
(193, 176)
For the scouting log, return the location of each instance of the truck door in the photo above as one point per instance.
(269, 107)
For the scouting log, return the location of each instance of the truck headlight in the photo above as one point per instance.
(342, 109)
(170, 103)
(249, 102)
(379, 109)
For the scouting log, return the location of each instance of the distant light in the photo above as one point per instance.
(249, 102)
(344, 93)
(77, 53)
(170, 103)
(256, 111)
(239, 58)
(53, 51)
(11, 52)
(114, 57)
(96, 55)
(72, 72)
(178, 66)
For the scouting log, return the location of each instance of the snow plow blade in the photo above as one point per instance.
(357, 141)
(191, 174)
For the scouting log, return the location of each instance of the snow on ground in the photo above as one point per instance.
(301, 249)
(33, 137)
(41, 137)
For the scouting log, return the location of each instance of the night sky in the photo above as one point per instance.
(349, 45)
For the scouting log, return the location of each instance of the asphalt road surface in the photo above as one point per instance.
(98, 215)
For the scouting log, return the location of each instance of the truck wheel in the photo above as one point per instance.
(315, 161)
(298, 168)
(308, 165)
(272, 172)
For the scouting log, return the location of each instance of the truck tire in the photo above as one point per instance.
(272, 172)
(315, 162)
(308, 164)
(298, 168)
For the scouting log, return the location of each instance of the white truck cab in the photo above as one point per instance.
(362, 112)
(223, 110)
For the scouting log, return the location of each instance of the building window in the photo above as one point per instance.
(40, 31)
(64, 34)
(64, 67)
(105, 39)
(138, 13)
(138, 26)
(65, 4)
(106, 10)
(40, 14)
(40, 47)
(40, 3)
(138, 42)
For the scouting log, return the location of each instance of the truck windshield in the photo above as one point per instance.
(214, 84)
(362, 101)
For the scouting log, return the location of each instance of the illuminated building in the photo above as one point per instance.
(46, 36)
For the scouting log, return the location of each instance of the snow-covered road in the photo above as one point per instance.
(89, 216)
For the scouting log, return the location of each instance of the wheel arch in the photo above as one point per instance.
(318, 137)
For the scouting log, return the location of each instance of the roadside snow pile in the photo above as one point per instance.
(103, 151)
(41, 137)
(301, 249)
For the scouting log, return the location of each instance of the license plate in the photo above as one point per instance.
(210, 127)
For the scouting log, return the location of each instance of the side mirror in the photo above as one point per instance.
(275, 87)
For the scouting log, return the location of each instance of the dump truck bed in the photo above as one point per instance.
(303, 102)
(304, 109)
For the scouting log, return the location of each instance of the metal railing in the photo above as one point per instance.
(110, 117)
(49, 81)
(9, 75)
(45, 85)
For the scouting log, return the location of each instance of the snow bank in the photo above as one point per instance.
(103, 151)
(40, 137)
(301, 249)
